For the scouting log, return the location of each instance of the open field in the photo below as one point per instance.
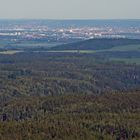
(127, 60)
(126, 48)
(10, 52)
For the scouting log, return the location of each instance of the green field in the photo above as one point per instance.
(10, 52)
(32, 45)
(36, 44)
(118, 48)
(126, 48)
(127, 60)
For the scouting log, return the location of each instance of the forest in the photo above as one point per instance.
(70, 95)
(42, 74)
(72, 117)
(97, 44)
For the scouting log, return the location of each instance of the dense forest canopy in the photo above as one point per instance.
(64, 73)
(71, 95)
(97, 44)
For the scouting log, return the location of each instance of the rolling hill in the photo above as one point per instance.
(97, 44)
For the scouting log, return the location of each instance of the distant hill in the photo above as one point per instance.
(97, 44)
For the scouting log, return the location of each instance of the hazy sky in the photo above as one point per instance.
(70, 9)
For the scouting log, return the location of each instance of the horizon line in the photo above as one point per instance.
(69, 19)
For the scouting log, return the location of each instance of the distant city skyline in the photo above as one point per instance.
(72, 9)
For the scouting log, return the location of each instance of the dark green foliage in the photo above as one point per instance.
(76, 117)
(68, 96)
(97, 44)
(41, 74)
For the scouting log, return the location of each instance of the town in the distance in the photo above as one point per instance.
(55, 32)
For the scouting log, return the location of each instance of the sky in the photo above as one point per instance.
(69, 9)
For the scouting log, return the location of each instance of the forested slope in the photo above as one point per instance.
(97, 44)
(72, 117)
(42, 74)
(69, 96)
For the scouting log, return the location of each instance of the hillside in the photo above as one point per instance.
(81, 95)
(124, 50)
(42, 74)
(97, 44)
